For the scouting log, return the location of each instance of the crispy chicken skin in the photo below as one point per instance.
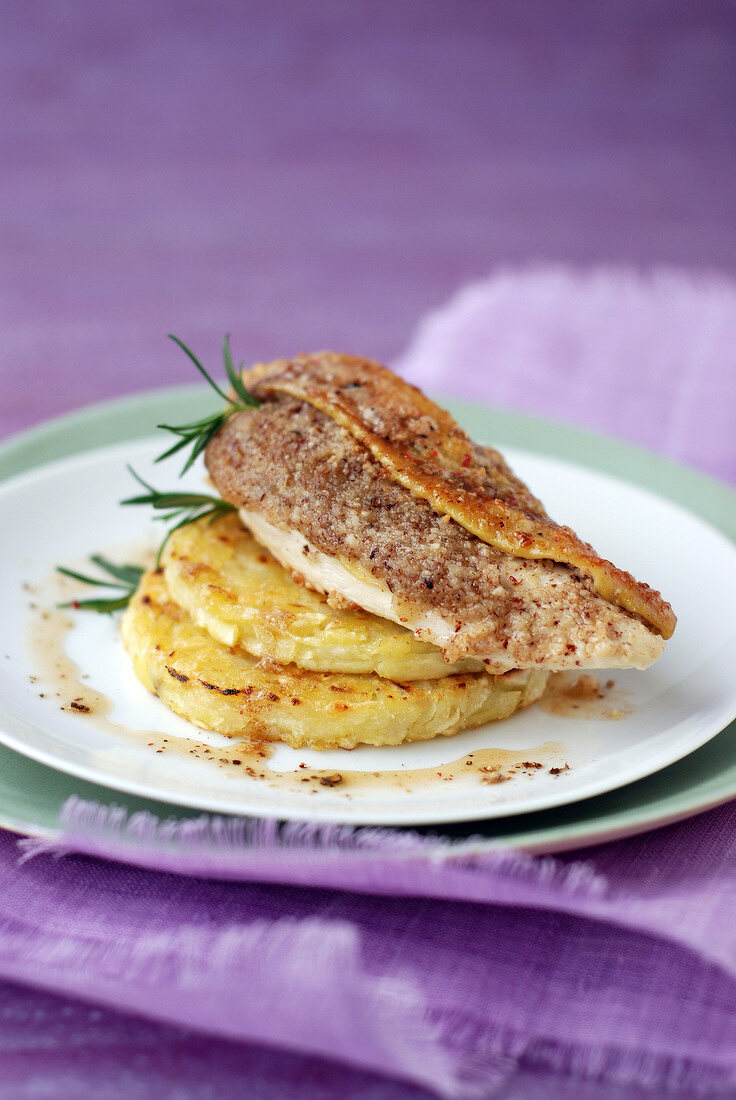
(372, 493)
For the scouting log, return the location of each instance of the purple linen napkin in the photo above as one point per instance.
(642, 883)
(618, 967)
(646, 356)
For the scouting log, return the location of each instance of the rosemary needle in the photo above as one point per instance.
(125, 578)
(197, 434)
(179, 508)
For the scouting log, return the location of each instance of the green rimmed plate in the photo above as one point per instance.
(31, 795)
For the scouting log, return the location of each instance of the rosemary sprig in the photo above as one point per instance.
(125, 578)
(198, 433)
(179, 508)
(183, 508)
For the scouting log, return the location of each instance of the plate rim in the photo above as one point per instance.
(135, 416)
(369, 812)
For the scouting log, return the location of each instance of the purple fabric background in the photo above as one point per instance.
(320, 175)
(307, 175)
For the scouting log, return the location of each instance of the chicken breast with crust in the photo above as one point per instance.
(372, 494)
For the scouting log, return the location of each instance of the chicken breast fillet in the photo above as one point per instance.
(359, 506)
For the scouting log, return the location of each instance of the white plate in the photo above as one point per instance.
(62, 512)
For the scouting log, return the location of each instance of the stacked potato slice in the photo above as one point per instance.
(227, 638)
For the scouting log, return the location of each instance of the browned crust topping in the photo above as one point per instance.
(298, 469)
(425, 450)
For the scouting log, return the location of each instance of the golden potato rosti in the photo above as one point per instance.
(225, 689)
